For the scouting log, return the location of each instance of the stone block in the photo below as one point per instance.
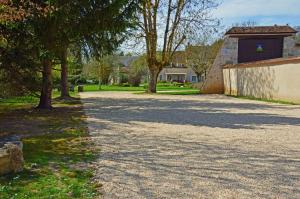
(11, 156)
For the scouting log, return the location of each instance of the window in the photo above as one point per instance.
(160, 78)
(194, 78)
(259, 48)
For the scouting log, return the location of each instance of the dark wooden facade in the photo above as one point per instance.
(259, 43)
(259, 48)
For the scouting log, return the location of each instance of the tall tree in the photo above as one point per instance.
(20, 52)
(166, 25)
(98, 26)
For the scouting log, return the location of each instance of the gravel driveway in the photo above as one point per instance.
(207, 146)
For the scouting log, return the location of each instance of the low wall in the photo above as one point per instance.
(277, 79)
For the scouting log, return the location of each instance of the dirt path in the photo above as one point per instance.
(209, 146)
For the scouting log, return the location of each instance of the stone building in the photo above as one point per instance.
(250, 44)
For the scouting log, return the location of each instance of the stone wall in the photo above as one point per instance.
(278, 81)
(290, 48)
(228, 54)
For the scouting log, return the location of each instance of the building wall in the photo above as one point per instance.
(290, 48)
(227, 55)
(187, 71)
(279, 82)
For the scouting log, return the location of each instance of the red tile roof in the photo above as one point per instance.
(261, 30)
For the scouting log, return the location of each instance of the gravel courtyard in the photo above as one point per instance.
(207, 146)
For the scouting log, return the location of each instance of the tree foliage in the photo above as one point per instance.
(44, 30)
(138, 69)
(100, 69)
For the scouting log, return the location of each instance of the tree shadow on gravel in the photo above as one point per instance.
(198, 168)
(141, 164)
(188, 112)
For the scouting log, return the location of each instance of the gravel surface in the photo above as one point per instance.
(207, 146)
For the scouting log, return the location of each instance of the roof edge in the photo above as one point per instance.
(264, 63)
(291, 30)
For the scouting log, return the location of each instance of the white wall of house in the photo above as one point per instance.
(187, 74)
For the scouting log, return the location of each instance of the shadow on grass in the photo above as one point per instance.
(56, 152)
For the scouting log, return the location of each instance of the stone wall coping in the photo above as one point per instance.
(264, 63)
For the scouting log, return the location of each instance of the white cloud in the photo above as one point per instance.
(252, 8)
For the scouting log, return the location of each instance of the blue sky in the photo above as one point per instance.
(263, 12)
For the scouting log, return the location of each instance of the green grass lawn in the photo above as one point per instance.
(90, 88)
(160, 87)
(183, 92)
(58, 143)
(54, 152)
(265, 100)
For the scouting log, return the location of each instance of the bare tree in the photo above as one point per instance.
(245, 24)
(166, 25)
(201, 57)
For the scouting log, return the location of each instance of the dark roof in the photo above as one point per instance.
(261, 30)
(127, 60)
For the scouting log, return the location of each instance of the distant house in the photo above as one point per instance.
(121, 70)
(178, 71)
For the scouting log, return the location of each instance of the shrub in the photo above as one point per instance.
(134, 80)
(125, 84)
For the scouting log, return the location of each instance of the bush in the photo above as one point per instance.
(178, 84)
(77, 79)
(188, 84)
(145, 86)
(162, 82)
(125, 84)
(134, 80)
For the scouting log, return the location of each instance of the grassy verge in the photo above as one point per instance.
(91, 88)
(8, 104)
(160, 87)
(174, 92)
(56, 151)
(265, 100)
(187, 92)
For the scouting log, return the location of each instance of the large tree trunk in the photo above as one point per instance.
(46, 94)
(153, 80)
(64, 75)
